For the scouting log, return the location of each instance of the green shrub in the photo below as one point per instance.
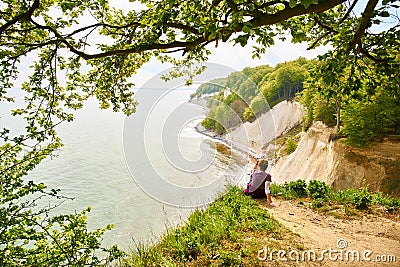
(290, 145)
(362, 199)
(276, 189)
(378, 199)
(298, 188)
(248, 115)
(323, 195)
(282, 190)
(392, 204)
(345, 196)
(208, 123)
(369, 117)
(318, 189)
(290, 190)
(325, 111)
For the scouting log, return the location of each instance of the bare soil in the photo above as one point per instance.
(319, 231)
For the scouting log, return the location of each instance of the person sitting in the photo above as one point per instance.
(260, 180)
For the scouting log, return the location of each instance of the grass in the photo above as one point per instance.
(342, 203)
(234, 228)
(230, 232)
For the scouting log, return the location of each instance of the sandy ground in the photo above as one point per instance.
(320, 231)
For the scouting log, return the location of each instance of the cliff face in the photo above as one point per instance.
(317, 158)
(377, 167)
(313, 159)
(280, 119)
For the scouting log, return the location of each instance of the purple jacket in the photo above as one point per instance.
(257, 178)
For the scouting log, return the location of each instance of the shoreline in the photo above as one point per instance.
(239, 147)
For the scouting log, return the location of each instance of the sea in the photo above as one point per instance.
(144, 173)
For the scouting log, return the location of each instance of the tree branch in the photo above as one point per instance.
(324, 26)
(23, 16)
(314, 44)
(232, 5)
(260, 20)
(298, 10)
(348, 11)
(366, 17)
(182, 27)
(256, 22)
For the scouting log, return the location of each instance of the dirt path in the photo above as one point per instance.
(319, 231)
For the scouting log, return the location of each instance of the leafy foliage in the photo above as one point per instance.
(298, 188)
(253, 90)
(318, 189)
(285, 81)
(362, 199)
(31, 236)
(368, 118)
(213, 86)
(318, 108)
(323, 194)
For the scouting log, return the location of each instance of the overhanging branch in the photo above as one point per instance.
(23, 16)
(298, 10)
(366, 17)
(263, 20)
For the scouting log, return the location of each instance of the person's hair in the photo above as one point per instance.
(263, 164)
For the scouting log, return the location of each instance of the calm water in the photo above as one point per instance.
(93, 169)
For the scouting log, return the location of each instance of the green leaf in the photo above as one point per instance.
(247, 27)
(384, 14)
(308, 3)
(212, 35)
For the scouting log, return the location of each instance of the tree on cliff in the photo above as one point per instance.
(82, 49)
